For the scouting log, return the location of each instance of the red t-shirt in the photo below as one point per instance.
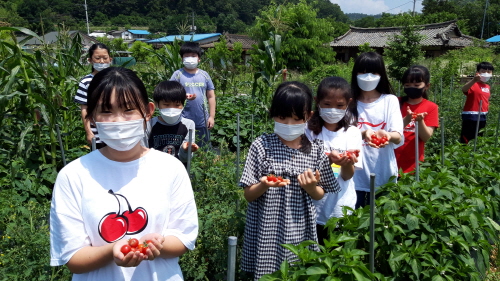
(477, 92)
(405, 154)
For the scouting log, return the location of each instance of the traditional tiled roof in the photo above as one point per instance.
(245, 41)
(436, 34)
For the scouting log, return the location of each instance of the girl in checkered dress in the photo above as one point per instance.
(282, 212)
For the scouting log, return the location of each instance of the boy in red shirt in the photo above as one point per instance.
(476, 90)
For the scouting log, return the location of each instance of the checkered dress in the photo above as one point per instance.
(282, 215)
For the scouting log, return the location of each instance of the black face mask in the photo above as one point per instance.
(414, 93)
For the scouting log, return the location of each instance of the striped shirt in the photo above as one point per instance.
(81, 98)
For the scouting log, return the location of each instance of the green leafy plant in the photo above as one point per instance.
(440, 228)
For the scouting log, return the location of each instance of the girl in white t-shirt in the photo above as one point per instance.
(332, 123)
(122, 191)
(379, 120)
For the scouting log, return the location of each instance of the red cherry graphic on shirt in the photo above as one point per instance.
(113, 226)
(137, 219)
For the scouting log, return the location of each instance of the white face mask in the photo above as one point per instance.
(170, 115)
(190, 62)
(121, 136)
(485, 77)
(368, 81)
(101, 66)
(331, 115)
(289, 132)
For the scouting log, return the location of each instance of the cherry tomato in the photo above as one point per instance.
(149, 242)
(272, 178)
(142, 248)
(125, 249)
(133, 242)
(280, 179)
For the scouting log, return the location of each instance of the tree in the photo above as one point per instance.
(305, 37)
(140, 50)
(404, 50)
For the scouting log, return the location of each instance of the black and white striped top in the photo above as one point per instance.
(81, 98)
(282, 215)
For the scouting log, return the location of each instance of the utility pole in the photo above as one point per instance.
(87, 17)
(484, 18)
(414, 1)
(193, 28)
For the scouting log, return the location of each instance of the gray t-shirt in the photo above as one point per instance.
(198, 83)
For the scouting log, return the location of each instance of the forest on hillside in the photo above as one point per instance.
(233, 16)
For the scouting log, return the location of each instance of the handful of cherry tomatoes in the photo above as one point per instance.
(273, 178)
(349, 154)
(134, 246)
(414, 116)
(378, 141)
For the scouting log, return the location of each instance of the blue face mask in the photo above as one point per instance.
(101, 66)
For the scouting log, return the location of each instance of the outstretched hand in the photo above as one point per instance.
(283, 182)
(194, 146)
(343, 159)
(377, 139)
(132, 259)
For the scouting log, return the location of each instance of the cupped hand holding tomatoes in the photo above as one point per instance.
(274, 181)
(191, 96)
(132, 257)
(154, 242)
(349, 157)
(377, 139)
(414, 116)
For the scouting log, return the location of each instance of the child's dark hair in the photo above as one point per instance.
(327, 85)
(95, 47)
(169, 91)
(415, 74)
(370, 62)
(190, 47)
(129, 89)
(293, 98)
(484, 65)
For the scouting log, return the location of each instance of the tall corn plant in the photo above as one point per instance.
(17, 79)
(168, 57)
(269, 66)
(39, 85)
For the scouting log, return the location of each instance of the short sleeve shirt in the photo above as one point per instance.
(282, 214)
(478, 92)
(384, 113)
(405, 154)
(198, 83)
(84, 213)
(341, 141)
(170, 137)
(81, 98)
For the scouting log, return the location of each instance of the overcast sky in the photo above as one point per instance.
(373, 7)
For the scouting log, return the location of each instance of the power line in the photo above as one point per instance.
(411, 1)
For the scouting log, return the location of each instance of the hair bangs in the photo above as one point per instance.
(416, 74)
(369, 63)
(169, 91)
(129, 90)
(291, 98)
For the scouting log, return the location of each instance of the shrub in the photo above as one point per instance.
(439, 228)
